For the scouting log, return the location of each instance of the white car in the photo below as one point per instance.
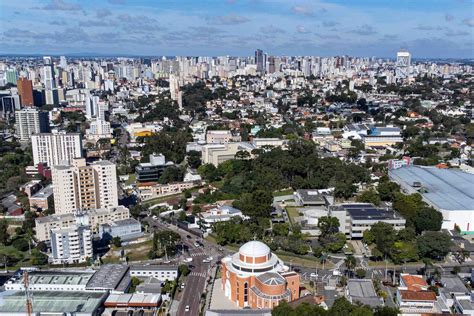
(196, 245)
(189, 259)
(182, 285)
(313, 275)
(206, 260)
(186, 309)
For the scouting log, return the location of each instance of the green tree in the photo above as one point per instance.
(387, 190)
(403, 252)
(183, 270)
(427, 218)
(194, 159)
(435, 245)
(350, 263)
(3, 232)
(133, 287)
(369, 196)
(38, 258)
(384, 236)
(328, 225)
(117, 242)
(360, 273)
(282, 229)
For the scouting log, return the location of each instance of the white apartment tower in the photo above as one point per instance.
(29, 121)
(51, 93)
(71, 245)
(82, 187)
(56, 148)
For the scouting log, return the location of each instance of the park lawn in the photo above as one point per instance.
(160, 199)
(304, 261)
(134, 252)
(292, 213)
(284, 192)
(131, 179)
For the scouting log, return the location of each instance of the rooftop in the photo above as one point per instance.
(418, 295)
(271, 278)
(153, 267)
(367, 211)
(52, 302)
(447, 189)
(109, 276)
(254, 249)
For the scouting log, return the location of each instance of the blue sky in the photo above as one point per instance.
(427, 28)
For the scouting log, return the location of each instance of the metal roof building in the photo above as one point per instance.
(57, 302)
(450, 191)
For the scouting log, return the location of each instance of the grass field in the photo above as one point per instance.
(304, 261)
(284, 192)
(135, 252)
(292, 213)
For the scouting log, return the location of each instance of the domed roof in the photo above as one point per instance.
(254, 249)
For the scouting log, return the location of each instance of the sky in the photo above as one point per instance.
(427, 28)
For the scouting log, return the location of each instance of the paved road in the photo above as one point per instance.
(195, 283)
(196, 280)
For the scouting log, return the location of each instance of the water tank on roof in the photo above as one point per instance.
(157, 159)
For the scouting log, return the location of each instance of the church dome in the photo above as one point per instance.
(254, 249)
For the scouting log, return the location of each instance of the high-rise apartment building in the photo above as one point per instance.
(25, 90)
(51, 93)
(82, 186)
(56, 148)
(30, 121)
(71, 245)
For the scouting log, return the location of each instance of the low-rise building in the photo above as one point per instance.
(218, 214)
(132, 302)
(126, 229)
(159, 272)
(356, 218)
(218, 153)
(152, 171)
(151, 190)
(42, 199)
(92, 218)
(53, 303)
(362, 291)
(221, 136)
(413, 296)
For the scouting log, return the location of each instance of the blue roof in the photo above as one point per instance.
(446, 189)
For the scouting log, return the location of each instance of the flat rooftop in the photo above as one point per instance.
(52, 302)
(66, 278)
(446, 189)
(367, 211)
(109, 276)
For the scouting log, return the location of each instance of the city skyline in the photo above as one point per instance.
(438, 29)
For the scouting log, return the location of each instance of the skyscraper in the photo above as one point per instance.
(63, 62)
(56, 148)
(30, 121)
(25, 89)
(51, 94)
(260, 61)
(403, 64)
(81, 186)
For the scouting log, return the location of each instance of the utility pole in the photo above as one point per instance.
(26, 284)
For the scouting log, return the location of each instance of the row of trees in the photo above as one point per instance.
(405, 245)
(341, 307)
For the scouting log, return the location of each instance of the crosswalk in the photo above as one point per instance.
(198, 253)
(198, 274)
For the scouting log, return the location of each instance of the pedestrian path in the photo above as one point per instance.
(198, 274)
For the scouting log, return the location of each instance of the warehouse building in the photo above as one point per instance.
(450, 191)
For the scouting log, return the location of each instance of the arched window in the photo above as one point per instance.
(246, 292)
